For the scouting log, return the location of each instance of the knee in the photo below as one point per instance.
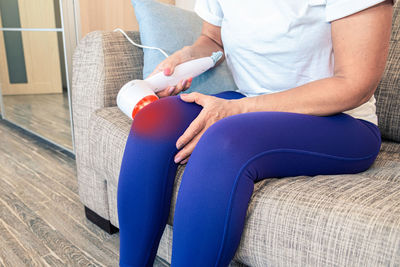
(160, 119)
(153, 118)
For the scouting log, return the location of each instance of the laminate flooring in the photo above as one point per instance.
(42, 221)
(45, 114)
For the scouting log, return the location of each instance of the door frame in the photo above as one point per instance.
(69, 30)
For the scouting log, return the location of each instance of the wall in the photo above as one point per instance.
(107, 15)
(187, 4)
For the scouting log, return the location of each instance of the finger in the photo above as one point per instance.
(188, 97)
(184, 161)
(167, 71)
(177, 91)
(188, 84)
(195, 97)
(188, 149)
(171, 90)
(194, 129)
(166, 92)
(179, 86)
(163, 93)
(169, 66)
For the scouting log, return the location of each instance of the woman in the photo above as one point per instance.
(306, 72)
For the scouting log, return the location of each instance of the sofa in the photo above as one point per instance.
(326, 220)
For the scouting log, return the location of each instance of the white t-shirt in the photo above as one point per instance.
(275, 45)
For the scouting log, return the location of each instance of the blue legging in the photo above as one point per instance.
(218, 181)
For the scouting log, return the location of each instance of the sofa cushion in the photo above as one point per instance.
(388, 92)
(171, 28)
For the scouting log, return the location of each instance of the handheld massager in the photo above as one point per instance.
(137, 94)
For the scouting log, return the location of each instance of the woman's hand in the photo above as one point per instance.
(214, 109)
(168, 66)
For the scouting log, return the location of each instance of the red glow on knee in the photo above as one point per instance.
(159, 120)
(142, 103)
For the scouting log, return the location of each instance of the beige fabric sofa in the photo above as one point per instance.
(334, 220)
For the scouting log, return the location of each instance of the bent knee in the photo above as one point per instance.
(162, 118)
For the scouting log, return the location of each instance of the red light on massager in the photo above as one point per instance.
(142, 103)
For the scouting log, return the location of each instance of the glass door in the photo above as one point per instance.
(34, 78)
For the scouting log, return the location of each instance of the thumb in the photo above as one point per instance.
(169, 66)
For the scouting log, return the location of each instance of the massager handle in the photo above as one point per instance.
(186, 70)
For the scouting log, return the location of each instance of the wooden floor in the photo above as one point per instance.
(45, 114)
(42, 221)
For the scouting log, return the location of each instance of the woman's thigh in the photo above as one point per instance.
(340, 143)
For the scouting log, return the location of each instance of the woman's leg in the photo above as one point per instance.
(240, 150)
(147, 176)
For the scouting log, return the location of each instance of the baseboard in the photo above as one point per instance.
(100, 221)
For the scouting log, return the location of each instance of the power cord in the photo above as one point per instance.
(138, 45)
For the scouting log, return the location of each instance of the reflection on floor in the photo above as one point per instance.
(45, 114)
(42, 222)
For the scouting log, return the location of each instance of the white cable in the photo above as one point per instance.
(138, 45)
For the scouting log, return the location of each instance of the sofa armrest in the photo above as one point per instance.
(102, 63)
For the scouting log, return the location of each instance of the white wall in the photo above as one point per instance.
(187, 4)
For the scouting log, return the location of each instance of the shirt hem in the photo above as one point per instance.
(341, 9)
